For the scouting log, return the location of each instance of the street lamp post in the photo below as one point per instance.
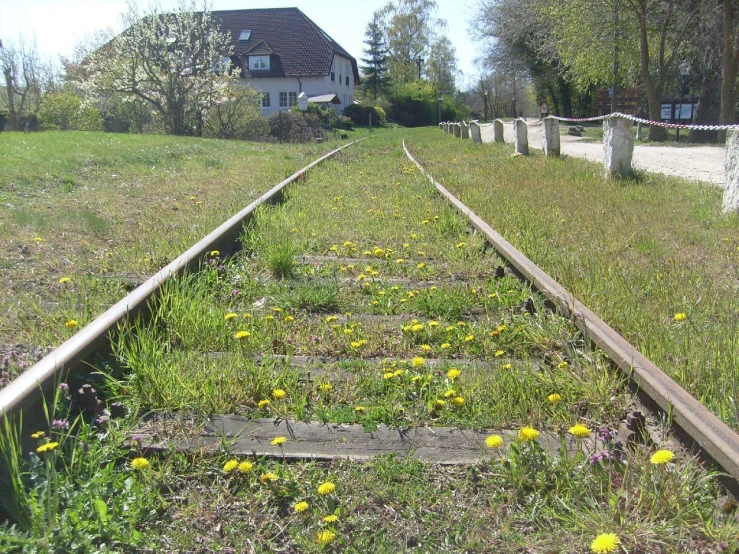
(440, 99)
(485, 100)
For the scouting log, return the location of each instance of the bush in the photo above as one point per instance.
(414, 105)
(360, 114)
(65, 111)
(381, 114)
(236, 115)
(330, 118)
(295, 126)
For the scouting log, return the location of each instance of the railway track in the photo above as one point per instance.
(365, 316)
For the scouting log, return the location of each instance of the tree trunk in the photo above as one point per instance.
(728, 82)
(13, 119)
(653, 100)
(708, 109)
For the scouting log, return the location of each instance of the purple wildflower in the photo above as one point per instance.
(59, 424)
(64, 387)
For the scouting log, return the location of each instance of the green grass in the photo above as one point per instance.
(636, 252)
(91, 206)
(397, 291)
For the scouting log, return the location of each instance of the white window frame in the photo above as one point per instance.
(292, 99)
(283, 99)
(266, 100)
(258, 63)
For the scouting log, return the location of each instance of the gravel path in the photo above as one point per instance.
(697, 163)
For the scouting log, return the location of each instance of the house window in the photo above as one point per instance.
(266, 100)
(244, 35)
(283, 100)
(333, 76)
(293, 99)
(339, 78)
(258, 63)
(347, 81)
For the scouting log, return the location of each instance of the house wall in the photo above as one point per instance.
(312, 86)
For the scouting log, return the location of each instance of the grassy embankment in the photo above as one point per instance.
(404, 281)
(637, 252)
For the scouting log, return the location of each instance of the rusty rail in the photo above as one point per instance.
(711, 434)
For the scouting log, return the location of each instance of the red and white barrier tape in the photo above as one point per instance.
(647, 122)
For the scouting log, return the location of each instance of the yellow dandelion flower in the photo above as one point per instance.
(348, 331)
(579, 430)
(65, 280)
(268, 478)
(277, 310)
(388, 375)
(417, 328)
(506, 366)
(71, 324)
(263, 403)
(39, 239)
(325, 537)
(453, 373)
(681, 316)
(662, 457)
(494, 441)
(469, 338)
(499, 353)
(245, 467)
(279, 394)
(426, 347)
(230, 315)
(461, 324)
(37, 435)
(605, 543)
(230, 465)
(269, 317)
(458, 401)
(501, 328)
(433, 323)
(399, 261)
(47, 447)
(461, 245)
(449, 393)
(348, 244)
(439, 403)
(302, 506)
(445, 345)
(359, 409)
(528, 434)
(378, 251)
(416, 379)
(417, 361)
(139, 463)
(421, 265)
(334, 247)
(398, 372)
(562, 365)
(554, 398)
(242, 335)
(331, 518)
(214, 253)
(278, 441)
(326, 488)
(331, 318)
(326, 387)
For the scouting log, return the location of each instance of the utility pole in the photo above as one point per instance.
(614, 91)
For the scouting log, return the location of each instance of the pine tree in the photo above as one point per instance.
(376, 60)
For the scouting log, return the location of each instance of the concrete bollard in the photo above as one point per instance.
(638, 131)
(498, 131)
(731, 166)
(465, 130)
(475, 134)
(521, 137)
(457, 130)
(618, 147)
(550, 137)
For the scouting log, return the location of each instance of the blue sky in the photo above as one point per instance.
(59, 24)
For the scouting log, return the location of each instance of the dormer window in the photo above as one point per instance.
(245, 34)
(258, 63)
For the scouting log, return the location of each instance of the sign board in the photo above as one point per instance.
(302, 101)
(666, 111)
(683, 111)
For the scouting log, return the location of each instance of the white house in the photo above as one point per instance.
(282, 53)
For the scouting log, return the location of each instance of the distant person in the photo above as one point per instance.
(544, 110)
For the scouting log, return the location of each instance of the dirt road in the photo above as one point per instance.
(697, 163)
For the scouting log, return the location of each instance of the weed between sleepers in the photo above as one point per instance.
(188, 359)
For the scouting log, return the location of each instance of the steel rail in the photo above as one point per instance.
(711, 434)
(26, 391)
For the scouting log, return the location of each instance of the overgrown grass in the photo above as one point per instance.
(99, 208)
(637, 252)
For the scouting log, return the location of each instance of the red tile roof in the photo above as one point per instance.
(300, 48)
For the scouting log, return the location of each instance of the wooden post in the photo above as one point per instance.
(498, 131)
(550, 136)
(521, 137)
(618, 147)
